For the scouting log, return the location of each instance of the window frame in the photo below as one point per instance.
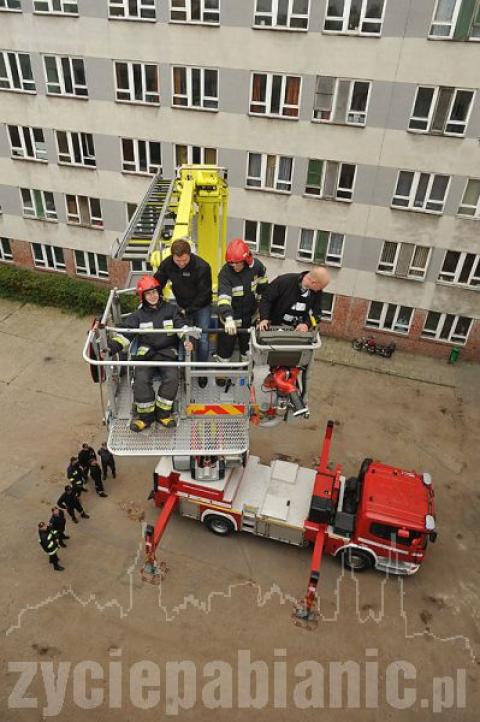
(414, 187)
(81, 140)
(25, 131)
(125, 4)
(263, 173)
(189, 86)
(51, 11)
(48, 258)
(453, 23)
(393, 271)
(5, 8)
(476, 214)
(344, 18)
(151, 168)
(77, 88)
(6, 253)
(432, 113)
(273, 13)
(330, 258)
(267, 102)
(330, 167)
(335, 99)
(90, 260)
(188, 13)
(130, 89)
(380, 324)
(191, 150)
(274, 250)
(26, 85)
(95, 220)
(452, 278)
(453, 337)
(48, 214)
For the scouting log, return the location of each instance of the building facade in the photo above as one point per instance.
(350, 130)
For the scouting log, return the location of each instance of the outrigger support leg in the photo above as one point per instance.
(153, 571)
(305, 613)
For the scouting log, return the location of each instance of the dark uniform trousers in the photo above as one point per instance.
(148, 406)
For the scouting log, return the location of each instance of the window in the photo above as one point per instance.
(269, 172)
(330, 180)
(48, 256)
(266, 238)
(328, 302)
(188, 154)
(282, 14)
(26, 142)
(38, 204)
(461, 268)
(84, 211)
(443, 111)
(195, 88)
(16, 72)
(91, 264)
(5, 250)
(320, 247)
(132, 9)
(56, 7)
(355, 17)
(341, 101)
(275, 95)
(65, 76)
(421, 191)
(447, 327)
(141, 156)
(470, 205)
(140, 265)
(456, 19)
(195, 11)
(76, 148)
(384, 531)
(10, 5)
(389, 317)
(404, 260)
(137, 83)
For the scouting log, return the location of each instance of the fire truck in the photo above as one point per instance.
(382, 518)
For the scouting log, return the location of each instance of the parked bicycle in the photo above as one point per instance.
(370, 345)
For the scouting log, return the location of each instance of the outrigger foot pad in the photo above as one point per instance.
(154, 573)
(305, 616)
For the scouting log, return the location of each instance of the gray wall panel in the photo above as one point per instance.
(317, 15)
(300, 166)
(165, 75)
(234, 90)
(93, 8)
(396, 17)
(108, 152)
(306, 101)
(454, 195)
(100, 80)
(473, 127)
(373, 185)
(4, 141)
(59, 199)
(238, 13)
(114, 215)
(399, 104)
(419, 18)
(361, 253)
(27, 6)
(236, 162)
(10, 201)
(38, 73)
(51, 143)
(436, 261)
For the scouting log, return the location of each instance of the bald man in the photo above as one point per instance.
(294, 299)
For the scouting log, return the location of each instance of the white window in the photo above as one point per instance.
(441, 110)
(141, 156)
(269, 172)
(48, 256)
(11, 5)
(76, 148)
(338, 100)
(328, 302)
(16, 72)
(355, 17)
(65, 76)
(320, 247)
(447, 327)
(137, 82)
(456, 19)
(27, 142)
(404, 260)
(275, 95)
(192, 154)
(84, 211)
(282, 14)
(206, 12)
(38, 204)
(421, 191)
(5, 250)
(140, 265)
(266, 238)
(195, 88)
(461, 268)
(330, 180)
(132, 9)
(56, 7)
(470, 205)
(389, 317)
(91, 264)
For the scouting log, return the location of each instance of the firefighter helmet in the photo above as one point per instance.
(147, 283)
(238, 251)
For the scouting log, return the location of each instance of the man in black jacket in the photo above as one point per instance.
(191, 279)
(85, 454)
(48, 539)
(294, 299)
(70, 501)
(107, 460)
(74, 470)
(96, 474)
(58, 523)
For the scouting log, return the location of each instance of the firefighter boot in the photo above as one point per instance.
(167, 420)
(139, 425)
(58, 567)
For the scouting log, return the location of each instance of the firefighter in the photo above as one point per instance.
(241, 282)
(107, 459)
(69, 500)
(153, 313)
(191, 279)
(294, 299)
(96, 474)
(48, 539)
(85, 454)
(58, 523)
(74, 470)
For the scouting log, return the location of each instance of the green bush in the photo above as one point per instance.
(47, 289)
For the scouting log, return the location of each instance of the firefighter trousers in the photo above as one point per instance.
(226, 343)
(147, 405)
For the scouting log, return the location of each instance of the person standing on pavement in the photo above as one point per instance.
(57, 524)
(74, 470)
(70, 502)
(107, 460)
(96, 474)
(48, 539)
(85, 455)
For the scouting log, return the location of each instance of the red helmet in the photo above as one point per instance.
(237, 251)
(147, 283)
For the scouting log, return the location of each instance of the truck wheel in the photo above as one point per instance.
(219, 524)
(356, 559)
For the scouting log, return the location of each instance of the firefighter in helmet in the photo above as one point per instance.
(241, 282)
(154, 313)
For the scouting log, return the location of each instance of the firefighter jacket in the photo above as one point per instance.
(106, 456)
(285, 303)
(84, 456)
(96, 473)
(191, 286)
(238, 293)
(75, 473)
(68, 500)
(48, 539)
(58, 522)
(164, 316)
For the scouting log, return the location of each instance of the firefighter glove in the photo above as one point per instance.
(230, 326)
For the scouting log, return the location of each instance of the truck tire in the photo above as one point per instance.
(356, 560)
(220, 525)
